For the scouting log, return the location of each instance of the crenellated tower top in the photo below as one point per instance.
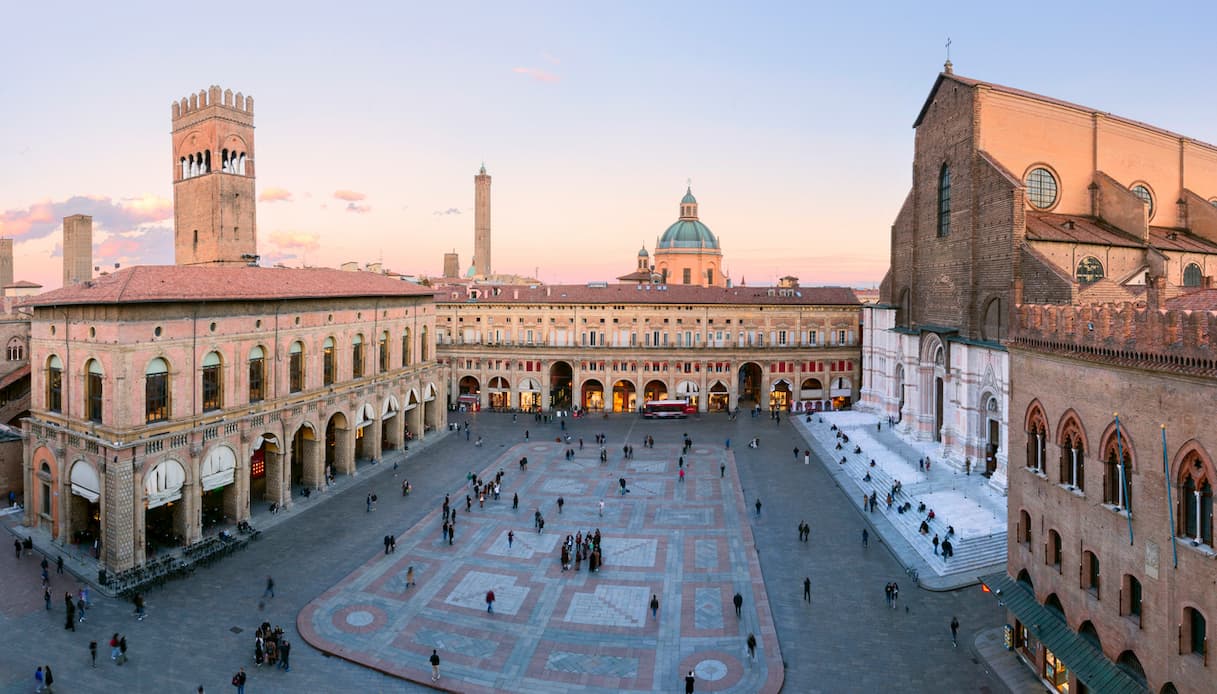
(213, 96)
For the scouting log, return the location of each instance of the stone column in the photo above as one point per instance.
(274, 476)
(372, 433)
(118, 520)
(192, 503)
(344, 451)
(314, 464)
(393, 428)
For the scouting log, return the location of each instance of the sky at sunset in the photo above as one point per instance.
(793, 121)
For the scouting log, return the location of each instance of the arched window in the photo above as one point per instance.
(1090, 572)
(1073, 461)
(16, 349)
(1089, 270)
(1024, 528)
(1117, 490)
(405, 347)
(357, 353)
(384, 351)
(213, 375)
(1193, 276)
(1052, 557)
(257, 374)
(423, 348)
(1142, 191)
(1196, 500)
(327, 362)
(156, 391)
(54, 384)
(944, 201)
(1130, 597)
(1037, 440)
(94, 390)
(1194, 631)
(295, 367)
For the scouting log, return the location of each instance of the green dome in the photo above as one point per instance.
(688, 233)
(688, 198)
(643, 253)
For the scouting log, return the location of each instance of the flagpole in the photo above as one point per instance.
(1170, 505)
(1123, 476)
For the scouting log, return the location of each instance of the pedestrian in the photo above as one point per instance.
(758, 507)
(682, 474)
(887, 594)
(238, 681)
(46, 595)
(511, 536)
(368, 502)
(122, 649)
(270, 588)
(865, 538)
(540, 525)
(796, 454)
(114, 647)
(409, 576)
(752, 646)
(738, 601)
(490, 601)
(955, 632)
(722, 469)
(602, 508)
(59, 565)
(689, 683)
(38, 678)
(515, 502)
(525, 438)
(947, 549)
(806, 456)
(17, 547)
(50, 679)
(434, 654)
(728, 443)
(807, 588)
(285, 649)
(561, 503)
(386, 542)
(93, 653)
(935, 543)
(895, 593)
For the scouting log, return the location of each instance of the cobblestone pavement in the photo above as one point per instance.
(199, 630)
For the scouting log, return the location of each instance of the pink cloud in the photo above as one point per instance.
(349, 195)
(296, 240)
(43, 218)
(537, 74)
(275, 195)
(357, 208)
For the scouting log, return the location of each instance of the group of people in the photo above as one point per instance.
(272, 648)
(582, 547)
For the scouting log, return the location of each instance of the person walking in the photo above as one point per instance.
(689, 679)
(409, 576)
(722, 470)
(238, 681)
(50, 678)
(270, 588)
(285, 649)
(39, 678)
(865, 538)
(751, 645)
(895, 593)
(807, 456)
(682, 474)
(59, 565)
(807, 588)
(654, 605)
(114, 647)
(955, 632)
(887, 594)
(46, 595)
(758, 507)
(122, 649)
(561, 503)
(515, 502)
(93, 653)
(490, 601)
(511, 537)
(602, 508)
(738, 601)
(434, 653)
(935, 543)
(17, 547)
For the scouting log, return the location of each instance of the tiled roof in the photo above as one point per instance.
(656, 294)
(1179, 240)
(968, 81)
(1046, 226)
(23, 284)
(1199, 300)
(175, 283)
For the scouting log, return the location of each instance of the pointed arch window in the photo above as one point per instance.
(94, 390)
(1193, 276)
(944, 201)
(1073, 462)
(1117, 490)
(1196, 501)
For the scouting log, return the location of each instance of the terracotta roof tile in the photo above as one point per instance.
(1046, 226)
(652, 294)
(1199, 300)
(174, 283)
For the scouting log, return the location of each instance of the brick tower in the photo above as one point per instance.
(213, 179)
(481, 223)
(6, 263)
(77, 249)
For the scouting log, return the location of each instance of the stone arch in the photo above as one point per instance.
(1035, 423)
(904, 307)
(625, 395)
(83, 502)
(1131, 665)
(163, 482)
(591, 395)
(1024, 577)
(1053, 603)
(1087, 631)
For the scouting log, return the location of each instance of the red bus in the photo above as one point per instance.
(667, 409)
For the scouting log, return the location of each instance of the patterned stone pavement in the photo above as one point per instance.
(553, 630)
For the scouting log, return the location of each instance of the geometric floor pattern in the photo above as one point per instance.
(688, 543)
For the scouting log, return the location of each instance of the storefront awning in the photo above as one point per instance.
(1081, 657)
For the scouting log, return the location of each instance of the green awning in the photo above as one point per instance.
(1079, 655)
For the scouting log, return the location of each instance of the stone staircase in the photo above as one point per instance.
(971, 553)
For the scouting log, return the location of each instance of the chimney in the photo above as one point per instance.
(1153, 292)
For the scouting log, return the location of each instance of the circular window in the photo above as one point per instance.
(1142, 191)
(92, 332)
(157, 331)
(258, 323)
(212, 327)
(1041, 188)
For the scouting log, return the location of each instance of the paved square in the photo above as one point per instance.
(688, 543)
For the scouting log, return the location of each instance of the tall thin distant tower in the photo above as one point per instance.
(213, 178)
(481, 223)
(6, 263)
(77, 249)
